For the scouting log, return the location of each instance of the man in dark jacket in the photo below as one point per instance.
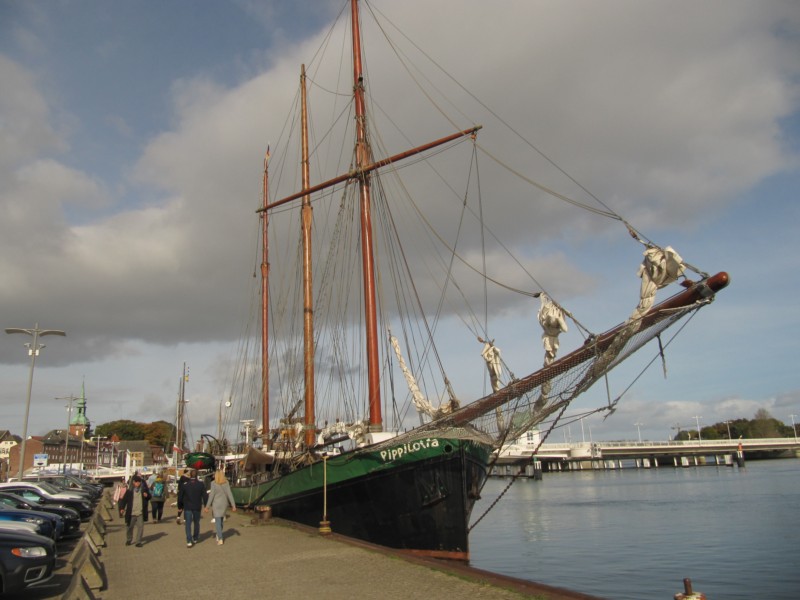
(134, 503)
(192, 497)
(181, 482)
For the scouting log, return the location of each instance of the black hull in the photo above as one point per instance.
(423, 508)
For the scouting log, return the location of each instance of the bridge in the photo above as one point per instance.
(620, 454)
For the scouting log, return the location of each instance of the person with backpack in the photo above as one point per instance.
(158, 495)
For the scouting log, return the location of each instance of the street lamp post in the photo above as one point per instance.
(97, 459)
(638, 428)
(697, 419)
(69, 419)
(728, 423)
(33, 352)
(794, 429)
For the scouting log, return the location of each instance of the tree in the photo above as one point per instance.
(124, 429)
(160, 433)
(763, 425)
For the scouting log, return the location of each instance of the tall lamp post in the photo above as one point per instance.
(794, 429)
(33, 352)
(69, 419)
(638, 428)
(97, 459)
(728, 423)
(697, 418)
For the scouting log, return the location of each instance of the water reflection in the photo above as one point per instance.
(636, 533)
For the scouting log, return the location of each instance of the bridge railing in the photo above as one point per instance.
(733, 444)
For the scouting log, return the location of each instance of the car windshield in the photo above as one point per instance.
(31, 496)
(56, 481)
(49, 487)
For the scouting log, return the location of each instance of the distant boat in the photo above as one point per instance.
(330, 461)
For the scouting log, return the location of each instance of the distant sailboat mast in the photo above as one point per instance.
(177, 450)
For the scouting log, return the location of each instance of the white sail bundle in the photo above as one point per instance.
(659, 268)
(355, 431)
(491, 354)
(551, 318)
(420, 401)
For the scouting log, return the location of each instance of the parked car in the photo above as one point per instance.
(36, 493)
(70, 483)
(45, 525)
(98, 488)
(26, 559)
(70, 516)
(18, 527)
(56, 521)
(47, 489)
(59, 485)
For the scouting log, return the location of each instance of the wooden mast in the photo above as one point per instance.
(308, 300)
(265, 308)
(362, 172)
(363, 159)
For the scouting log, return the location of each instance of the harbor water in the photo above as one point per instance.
(635, 534)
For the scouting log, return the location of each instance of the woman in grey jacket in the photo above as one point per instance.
(219, 498)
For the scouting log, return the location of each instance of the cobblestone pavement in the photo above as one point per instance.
(278, 560)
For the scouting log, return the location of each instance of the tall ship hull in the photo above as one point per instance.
(416, 496)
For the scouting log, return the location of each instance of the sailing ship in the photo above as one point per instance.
(329, 457)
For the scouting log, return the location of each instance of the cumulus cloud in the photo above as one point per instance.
(666, 115)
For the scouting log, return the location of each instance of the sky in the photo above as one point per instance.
(131, 143)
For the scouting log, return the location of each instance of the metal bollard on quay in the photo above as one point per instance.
(688, 594)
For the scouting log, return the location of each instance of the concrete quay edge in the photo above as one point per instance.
(280, 559)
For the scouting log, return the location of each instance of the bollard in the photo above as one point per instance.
(688, 594)
(263, 514)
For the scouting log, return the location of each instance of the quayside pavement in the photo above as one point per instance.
(281, 560)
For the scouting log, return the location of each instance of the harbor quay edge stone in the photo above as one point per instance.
(279, 558)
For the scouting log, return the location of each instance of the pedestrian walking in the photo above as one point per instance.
(219, 498)
(134, 503)
(158, 495)
(119, 491)
(181, 482)
(192, 498)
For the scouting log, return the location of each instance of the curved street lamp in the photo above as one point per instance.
(33, 351)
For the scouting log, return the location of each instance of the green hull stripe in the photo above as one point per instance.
(353, 465)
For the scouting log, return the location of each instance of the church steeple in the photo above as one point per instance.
(79, 423)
